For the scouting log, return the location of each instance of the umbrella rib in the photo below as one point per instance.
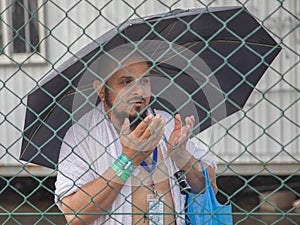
(84, 88)
(183, 49)
(250, 43)
(72, 92)
(167, 34)
(43, 120)
(229, 41)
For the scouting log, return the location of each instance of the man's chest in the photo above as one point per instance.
(152, 189)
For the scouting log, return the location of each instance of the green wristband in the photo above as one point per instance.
(123, 167)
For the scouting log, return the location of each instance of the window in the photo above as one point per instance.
(21, 30)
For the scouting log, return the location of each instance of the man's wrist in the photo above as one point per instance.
(133, 157)
(182, 159)
(123, 167)
(136, 156)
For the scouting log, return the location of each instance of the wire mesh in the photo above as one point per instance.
(256, 148)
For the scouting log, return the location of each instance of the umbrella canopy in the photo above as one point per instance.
(214, 57)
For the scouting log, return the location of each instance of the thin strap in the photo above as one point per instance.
(154, 162)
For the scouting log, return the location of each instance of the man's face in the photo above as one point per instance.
(127, 92)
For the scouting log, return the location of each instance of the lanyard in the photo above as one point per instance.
(152, 169)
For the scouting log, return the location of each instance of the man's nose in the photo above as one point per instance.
(138, 89)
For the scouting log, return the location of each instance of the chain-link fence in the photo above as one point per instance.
(218, 64)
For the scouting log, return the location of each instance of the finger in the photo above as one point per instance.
(155, 133)
(155, 126)
(125, 129)
(193, 117)
(189, 122)
(189, 125)
(160, 132)
(185, 133)
(161, 128)
(186, 130)
(140, 129)
(193, 120)
(178, 122)
(154, 140)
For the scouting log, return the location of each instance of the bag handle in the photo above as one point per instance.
(205, 173)
(208, 185)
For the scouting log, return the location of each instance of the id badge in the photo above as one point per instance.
(155, 209)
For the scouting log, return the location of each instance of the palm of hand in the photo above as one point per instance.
(140, 143)
(179, 136)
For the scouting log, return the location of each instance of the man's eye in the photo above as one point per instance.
(145, 81)
(126, 82)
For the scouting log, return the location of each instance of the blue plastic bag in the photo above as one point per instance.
(204, 208)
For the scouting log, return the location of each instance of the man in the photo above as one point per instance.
(100, 177)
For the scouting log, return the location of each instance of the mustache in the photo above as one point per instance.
(137, 98)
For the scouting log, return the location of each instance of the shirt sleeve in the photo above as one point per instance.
(201, 154)
(74, 167)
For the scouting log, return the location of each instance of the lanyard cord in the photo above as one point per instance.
(152, 169)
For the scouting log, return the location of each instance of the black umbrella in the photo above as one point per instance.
(228, 48)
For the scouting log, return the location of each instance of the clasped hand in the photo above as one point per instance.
(140, 143)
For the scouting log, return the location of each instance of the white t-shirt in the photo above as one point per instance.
(91, 146)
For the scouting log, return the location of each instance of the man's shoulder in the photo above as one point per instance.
(85, 123)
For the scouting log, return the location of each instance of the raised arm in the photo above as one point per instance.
(184, 159)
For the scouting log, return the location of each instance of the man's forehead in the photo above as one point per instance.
(126, 60)
(117, 63)
(133, 70)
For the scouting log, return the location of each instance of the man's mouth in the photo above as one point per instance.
(137, 102)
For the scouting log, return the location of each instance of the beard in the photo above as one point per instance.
(122, 115)
(136, 120)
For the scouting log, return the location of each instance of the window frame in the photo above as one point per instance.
(7, 56)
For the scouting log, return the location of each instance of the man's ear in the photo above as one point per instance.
(99, 88)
